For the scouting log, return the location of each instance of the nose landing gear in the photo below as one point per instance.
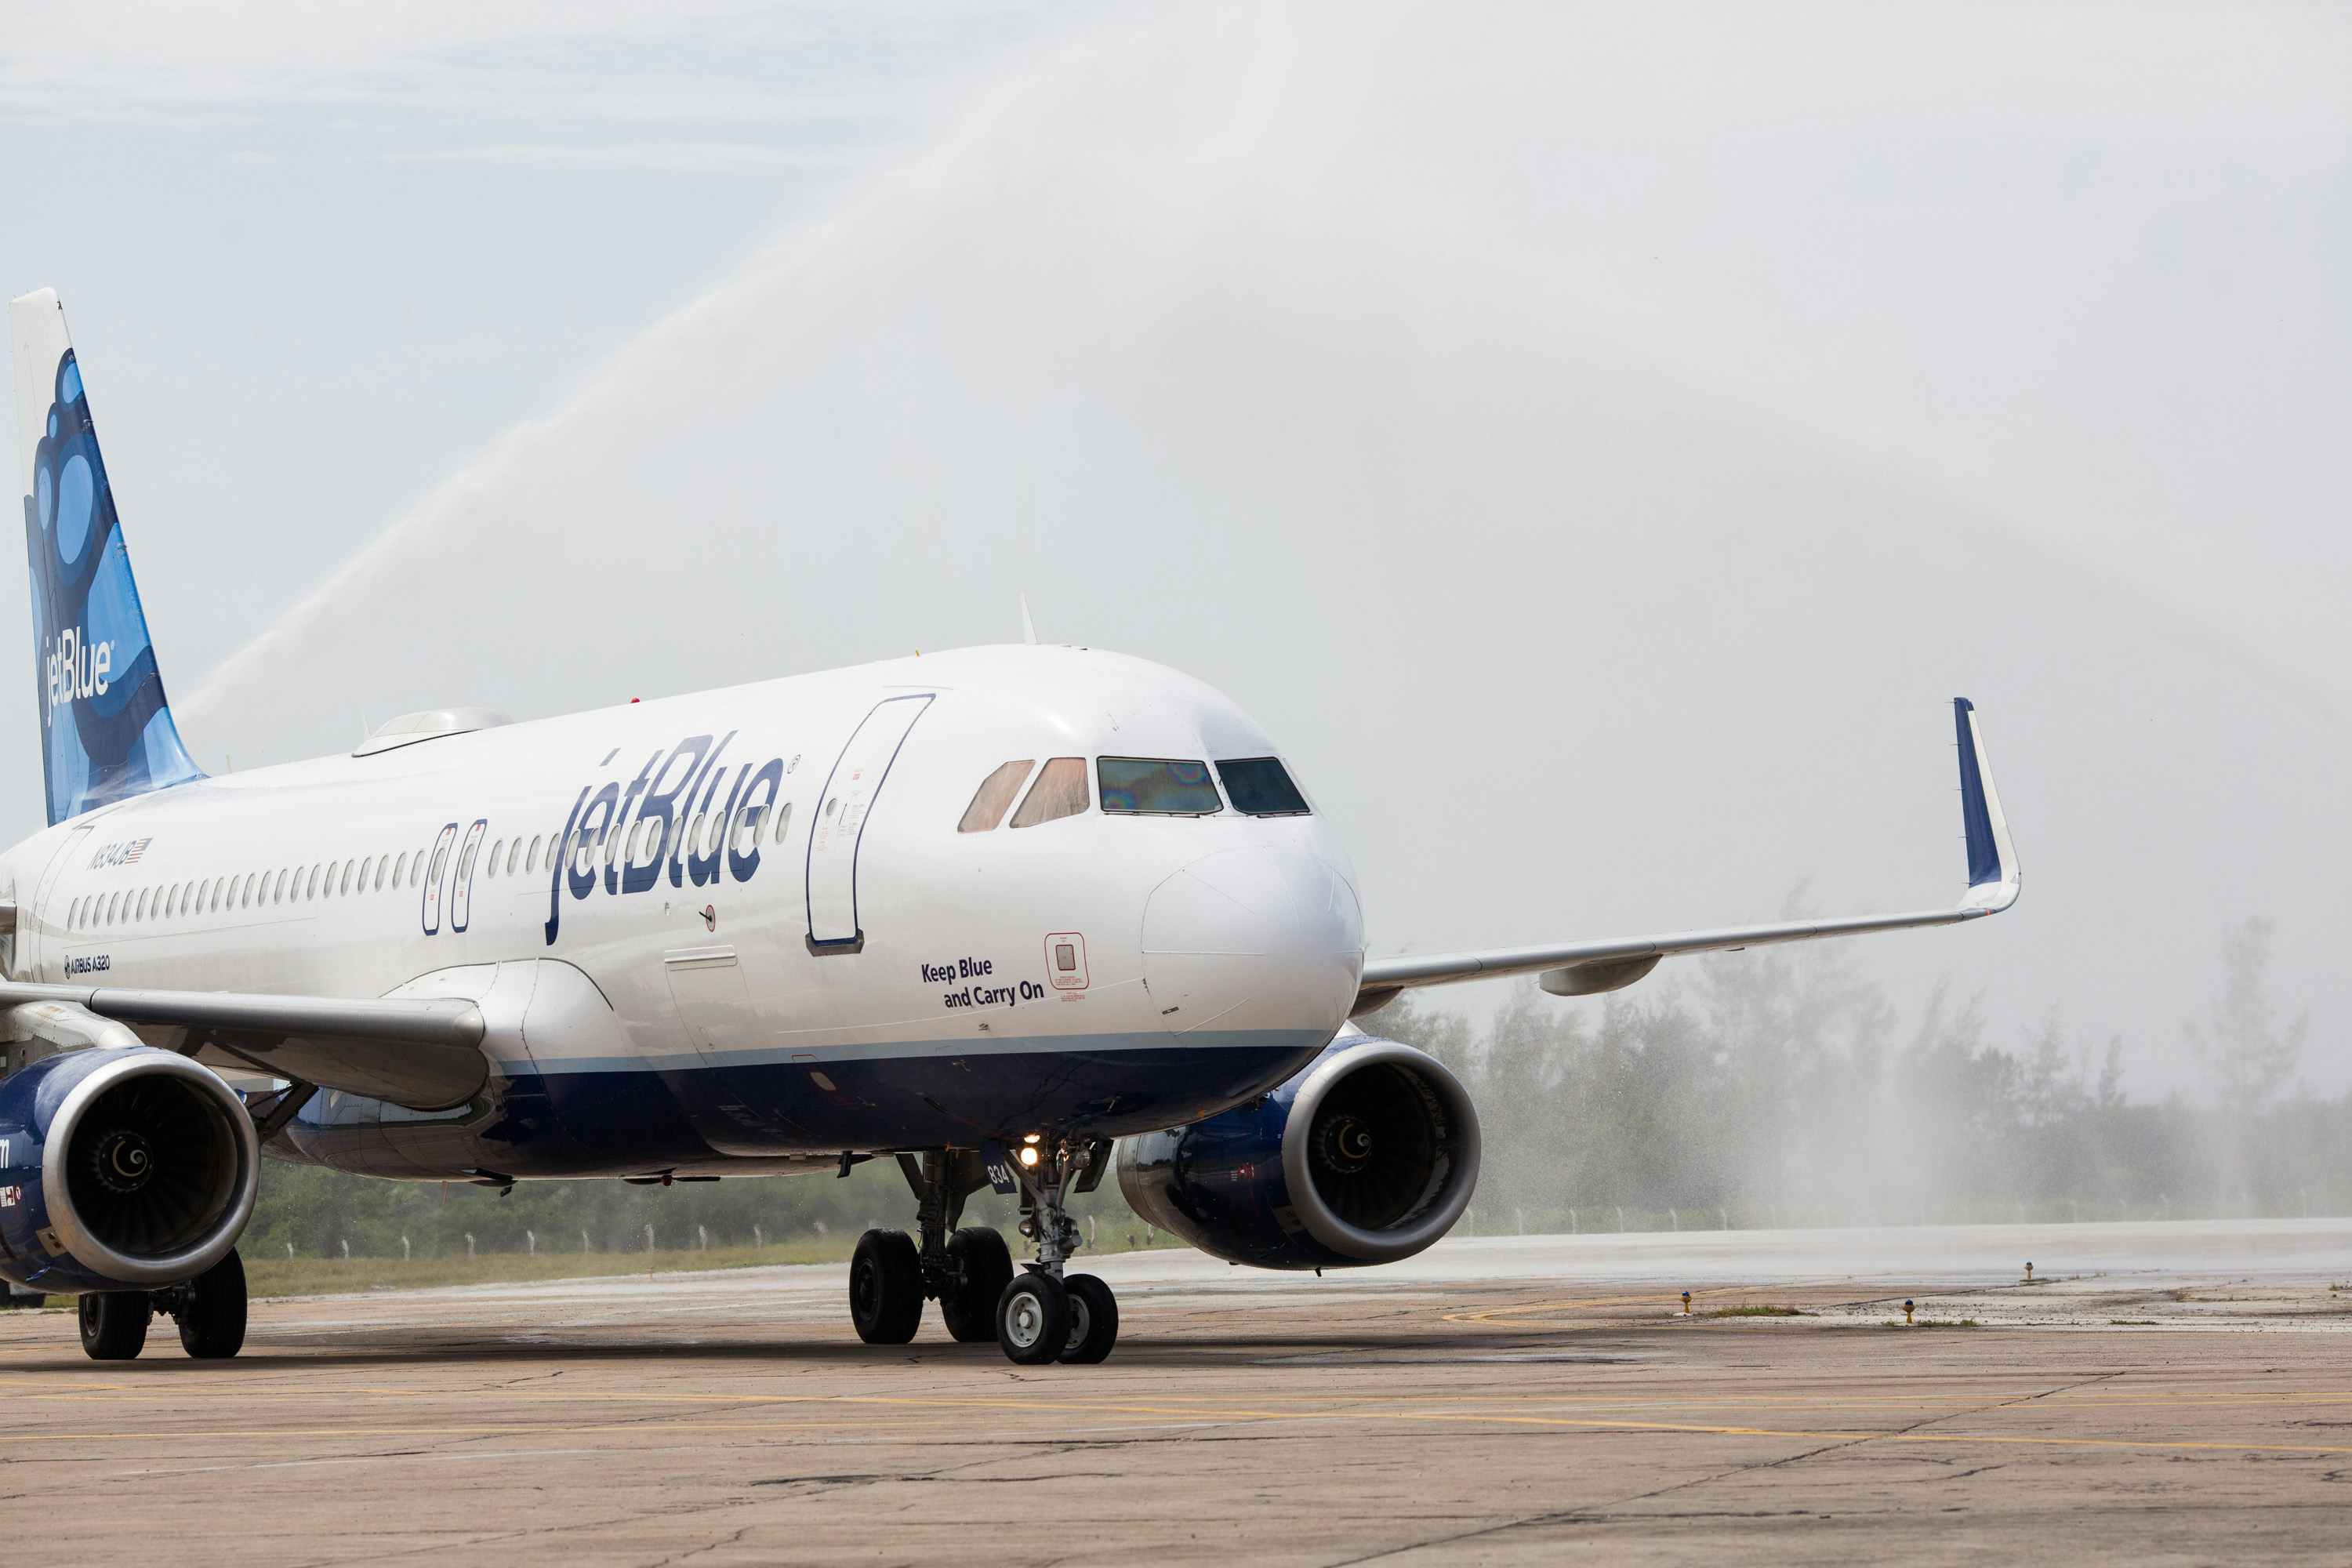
(1043, 1316)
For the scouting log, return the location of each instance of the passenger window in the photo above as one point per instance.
(746, 830)
(142, 905)
(491, 867)
(1060, 791)
(995, 796)
(1154, 787)
(1260, 786)
(113, 902)
(514, 854)
(530, 856)
(783, 821)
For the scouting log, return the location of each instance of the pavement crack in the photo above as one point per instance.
(710, 1546)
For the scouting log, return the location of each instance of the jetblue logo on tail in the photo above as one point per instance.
(77, 667)
(106, 732)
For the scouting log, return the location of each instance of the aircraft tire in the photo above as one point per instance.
(114, 1324)
(1032, 1320)
(1094, 1321)
(980, 1268)
(212, 1310)
(886, 1288)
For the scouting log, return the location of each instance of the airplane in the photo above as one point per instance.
(1015, 917)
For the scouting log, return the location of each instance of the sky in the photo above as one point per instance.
(1598, 439)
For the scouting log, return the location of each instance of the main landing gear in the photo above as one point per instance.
(209, 1311)
(1036, 1318)
(964, 1270)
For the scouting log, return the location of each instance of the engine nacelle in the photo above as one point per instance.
(126, 1168)
(1367, 1156)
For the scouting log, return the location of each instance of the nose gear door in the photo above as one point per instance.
(834, 923)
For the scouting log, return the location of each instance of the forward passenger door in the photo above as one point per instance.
(835, 924)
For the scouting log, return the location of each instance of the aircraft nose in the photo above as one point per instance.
(1254, 938)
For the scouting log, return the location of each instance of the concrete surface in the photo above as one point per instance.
(2162, 1394)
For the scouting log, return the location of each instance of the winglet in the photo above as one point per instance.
(1993, 877)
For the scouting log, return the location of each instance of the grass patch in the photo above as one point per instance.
(1754, 1312)
(2131, 1322)
(1937, 1323)
(327, 1277)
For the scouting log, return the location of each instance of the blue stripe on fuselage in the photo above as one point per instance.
(603, 1117)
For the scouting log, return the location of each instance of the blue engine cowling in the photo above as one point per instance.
(121, 1169)
(1368, 1155)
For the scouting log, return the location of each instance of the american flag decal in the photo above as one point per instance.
(138, 846)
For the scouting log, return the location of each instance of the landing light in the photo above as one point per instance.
(1028, 1155)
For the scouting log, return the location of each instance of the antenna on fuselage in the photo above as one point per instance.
(1028, 627)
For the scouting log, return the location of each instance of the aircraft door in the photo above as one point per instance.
(27, 946)
(431, 913)
(840, 822)
(461, 881)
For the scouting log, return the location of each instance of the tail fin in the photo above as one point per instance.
(107, 731)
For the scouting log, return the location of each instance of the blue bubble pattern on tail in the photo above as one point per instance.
(106, 731)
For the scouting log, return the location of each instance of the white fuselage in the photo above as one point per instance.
(768, 939)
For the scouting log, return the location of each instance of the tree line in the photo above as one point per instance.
(1778, 1086)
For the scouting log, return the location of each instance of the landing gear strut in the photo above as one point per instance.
(964, 1270)
(209, 1310)
(1043, 1316)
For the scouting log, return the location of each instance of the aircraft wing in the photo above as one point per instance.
(1584, 968)
(424, 1053)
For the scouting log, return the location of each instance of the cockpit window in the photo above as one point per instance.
(1060, 791)
(1259, 786)
(994, 796)
(1157, 786)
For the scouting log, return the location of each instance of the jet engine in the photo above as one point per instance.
(124, 1168)
(1368, 1155)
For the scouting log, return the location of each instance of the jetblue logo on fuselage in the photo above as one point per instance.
(77, 667)
(690, 785)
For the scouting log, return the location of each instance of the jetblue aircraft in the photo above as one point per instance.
(1010, 916)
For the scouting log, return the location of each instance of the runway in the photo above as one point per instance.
(2161, 1393)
